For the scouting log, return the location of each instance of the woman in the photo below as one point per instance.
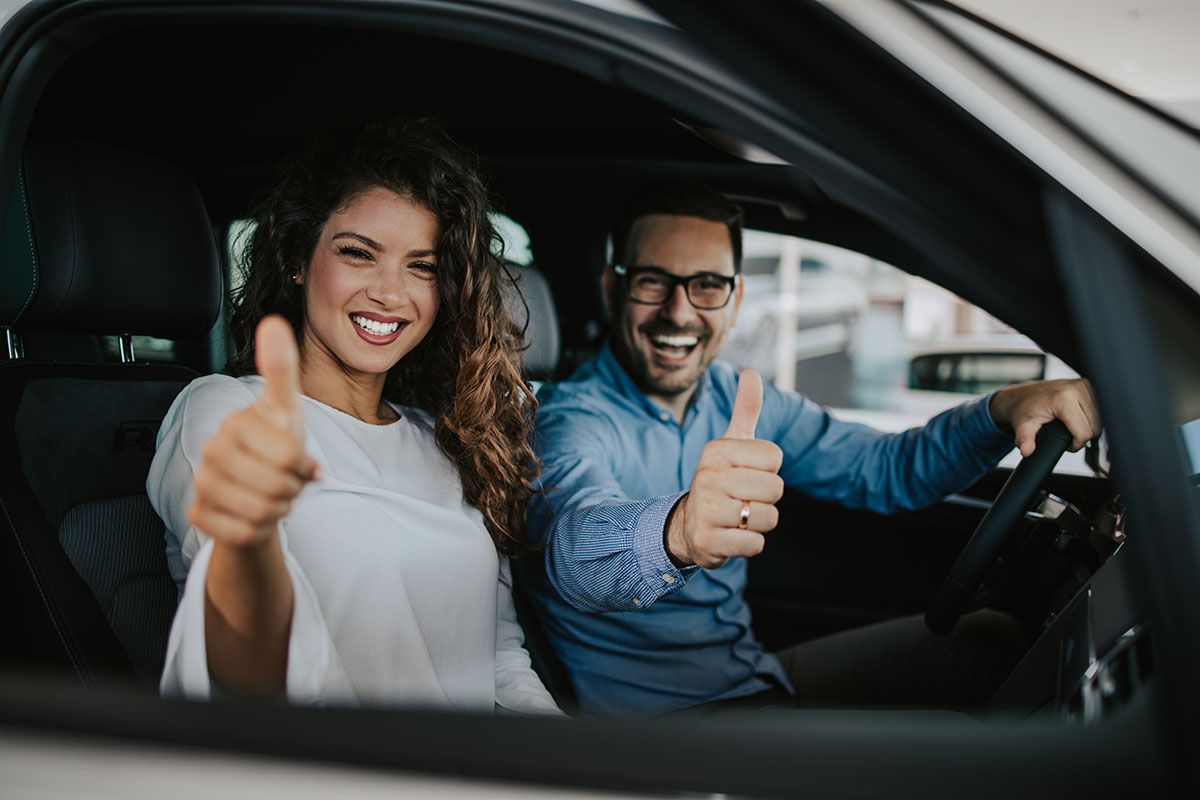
(344, 518)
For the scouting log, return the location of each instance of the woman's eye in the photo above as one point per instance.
(424, 267)
(355, 252)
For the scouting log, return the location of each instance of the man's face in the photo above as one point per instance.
(665, 348)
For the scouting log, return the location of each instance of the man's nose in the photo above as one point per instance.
(677, 308)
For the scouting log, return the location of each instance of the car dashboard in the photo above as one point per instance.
(1094, 655)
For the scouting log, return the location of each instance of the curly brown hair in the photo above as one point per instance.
(466, 371)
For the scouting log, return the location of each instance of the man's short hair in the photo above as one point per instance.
(683, 198)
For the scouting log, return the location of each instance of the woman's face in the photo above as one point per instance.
(371, 288)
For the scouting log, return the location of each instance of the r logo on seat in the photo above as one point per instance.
(138, 434)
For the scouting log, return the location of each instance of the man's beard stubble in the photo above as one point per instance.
(636, 360)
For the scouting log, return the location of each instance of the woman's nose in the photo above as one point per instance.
(387, 288)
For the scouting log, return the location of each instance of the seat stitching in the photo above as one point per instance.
(32, 250)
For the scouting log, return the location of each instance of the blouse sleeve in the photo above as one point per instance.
(314, 673)
(518, 688)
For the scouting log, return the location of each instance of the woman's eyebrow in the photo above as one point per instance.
(421, 253)
(359, 237)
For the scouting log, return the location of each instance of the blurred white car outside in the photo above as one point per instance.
(945, 373)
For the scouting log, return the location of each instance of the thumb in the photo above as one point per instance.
(746, 406)
(1026, 435)
(278, 361)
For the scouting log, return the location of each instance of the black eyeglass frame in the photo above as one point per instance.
(629, 272)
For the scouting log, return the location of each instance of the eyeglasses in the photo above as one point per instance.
(653, 286)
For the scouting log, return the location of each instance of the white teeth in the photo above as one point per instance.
(377, 328)
(675, 341)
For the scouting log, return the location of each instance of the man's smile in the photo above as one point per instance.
(672, 350)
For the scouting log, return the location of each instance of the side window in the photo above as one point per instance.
(517, 246)
(237, 245)
(872, 343)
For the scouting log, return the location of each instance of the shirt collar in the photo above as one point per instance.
(616, 376)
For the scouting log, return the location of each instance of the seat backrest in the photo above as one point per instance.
(534, 308)
(80, 523)
(531, 305)
(106, 243)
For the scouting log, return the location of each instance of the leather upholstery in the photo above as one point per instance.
(98, 242)
(80, 553)
(542, 338)
(116, 243)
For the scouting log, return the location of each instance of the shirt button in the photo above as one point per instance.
(668, 578)
(637, 602)
(665, 416)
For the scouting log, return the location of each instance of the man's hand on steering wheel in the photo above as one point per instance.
(1029, 409)
(1026, 407)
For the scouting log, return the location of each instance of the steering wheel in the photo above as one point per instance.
(984, 546)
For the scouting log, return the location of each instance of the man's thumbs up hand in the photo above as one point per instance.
(746, 406)
(255, 465)
(731, 502)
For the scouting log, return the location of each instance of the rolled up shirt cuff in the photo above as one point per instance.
(659, 575)
(984, 430)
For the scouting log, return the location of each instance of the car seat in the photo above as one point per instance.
(533, 308)
(94, 242)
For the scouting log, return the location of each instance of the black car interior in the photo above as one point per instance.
(84, 556)
(562, 149)
(147, 138)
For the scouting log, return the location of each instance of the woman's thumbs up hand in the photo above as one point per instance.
(254, 467)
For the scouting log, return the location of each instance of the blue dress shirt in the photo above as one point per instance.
(639, 635)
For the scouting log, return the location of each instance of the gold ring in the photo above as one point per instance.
(744, 520)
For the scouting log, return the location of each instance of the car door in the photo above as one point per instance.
(1075, 269)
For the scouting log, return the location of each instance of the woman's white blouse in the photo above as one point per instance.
(399, 594)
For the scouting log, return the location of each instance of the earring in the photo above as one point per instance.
(295, 277)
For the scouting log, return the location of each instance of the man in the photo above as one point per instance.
(661, 473)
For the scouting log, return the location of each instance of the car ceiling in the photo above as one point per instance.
(224, 101)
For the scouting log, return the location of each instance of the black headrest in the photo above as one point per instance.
(542, 338)
(104, 242)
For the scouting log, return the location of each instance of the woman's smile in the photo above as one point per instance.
(377, 329)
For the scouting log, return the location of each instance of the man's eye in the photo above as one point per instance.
(354, 252)
(650, 281)
(710, 284)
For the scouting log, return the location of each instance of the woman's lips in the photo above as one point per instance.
(378, 338)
